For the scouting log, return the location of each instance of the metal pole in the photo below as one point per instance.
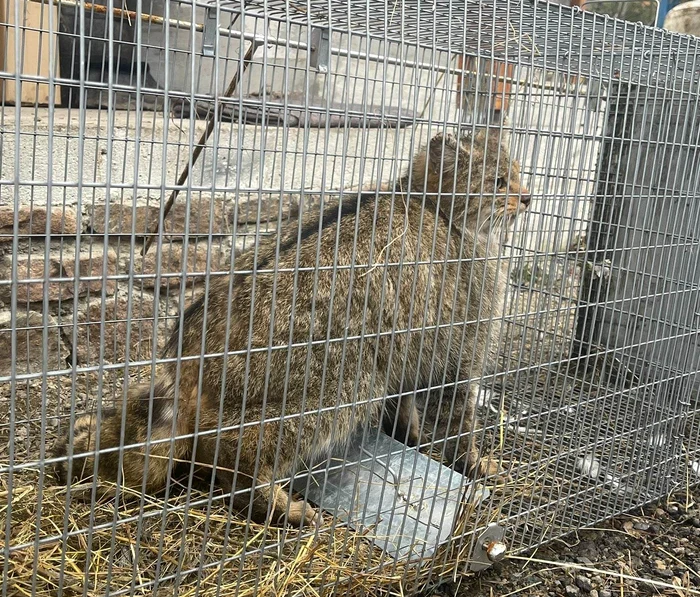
(211, 121)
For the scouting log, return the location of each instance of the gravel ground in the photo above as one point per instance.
(654, 550)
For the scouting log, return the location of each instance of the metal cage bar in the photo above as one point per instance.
(336, 298)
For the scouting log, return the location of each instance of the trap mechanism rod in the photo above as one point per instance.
(212, 117)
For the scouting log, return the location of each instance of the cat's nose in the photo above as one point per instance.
(525, 198)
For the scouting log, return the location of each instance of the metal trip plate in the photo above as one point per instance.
(401, 500)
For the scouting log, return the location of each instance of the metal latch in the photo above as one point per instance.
(211, 31)
(490, 548)
(319, 52)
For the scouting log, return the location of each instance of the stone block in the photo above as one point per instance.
(172, 262)
(144, 218)
(63, 266)
(110, 328)
(30, 343)
(32, 220)
(268, 206)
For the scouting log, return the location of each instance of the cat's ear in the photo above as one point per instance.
(442, 153)
(495, 139)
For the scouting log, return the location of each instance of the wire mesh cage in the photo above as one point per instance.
(320, 298)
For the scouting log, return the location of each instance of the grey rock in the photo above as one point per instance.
(30, 344)
(584, 583)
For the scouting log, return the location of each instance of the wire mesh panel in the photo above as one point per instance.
(336, 298)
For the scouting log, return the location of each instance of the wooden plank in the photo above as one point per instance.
(34, 59)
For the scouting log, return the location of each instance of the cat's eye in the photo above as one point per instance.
(501, 183)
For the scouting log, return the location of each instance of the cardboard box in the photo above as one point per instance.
(35, 39)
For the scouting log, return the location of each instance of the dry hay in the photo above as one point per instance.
(203, 549)
(95, 544)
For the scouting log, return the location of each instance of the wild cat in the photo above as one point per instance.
(321, 324)
(448, 421)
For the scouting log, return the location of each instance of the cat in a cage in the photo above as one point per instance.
(369, 299)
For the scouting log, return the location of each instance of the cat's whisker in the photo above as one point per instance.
(500, 225)
(496, 220)
(485, 222)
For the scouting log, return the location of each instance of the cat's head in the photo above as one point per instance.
(474, 174)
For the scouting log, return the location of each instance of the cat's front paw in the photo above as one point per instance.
(82, 463)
